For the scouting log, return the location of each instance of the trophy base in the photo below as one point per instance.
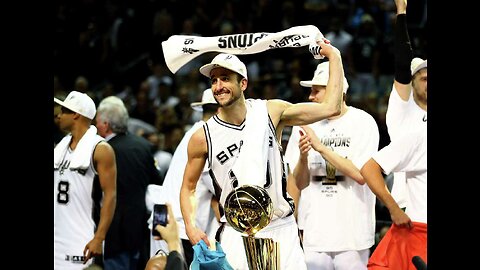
(262, 253)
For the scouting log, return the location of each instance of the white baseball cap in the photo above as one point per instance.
(228, 61)
(80, 103)
(417, 64)
(207, 98)
(320, 77)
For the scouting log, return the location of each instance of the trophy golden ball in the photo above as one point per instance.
(248, 209)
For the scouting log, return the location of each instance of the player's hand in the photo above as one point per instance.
(312, 139)
(93, 248)
(327, 49)
(401, 219)
(195, 235)
(304, 144)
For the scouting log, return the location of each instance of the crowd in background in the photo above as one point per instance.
(113, 47)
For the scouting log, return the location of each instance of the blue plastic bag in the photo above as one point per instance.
(206, 259)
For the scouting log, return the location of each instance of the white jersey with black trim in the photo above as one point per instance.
(223, 142)
(73, 205)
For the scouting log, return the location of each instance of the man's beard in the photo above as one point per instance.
(229, 102)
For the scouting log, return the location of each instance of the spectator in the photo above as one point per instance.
(174, 259)
(127, 236)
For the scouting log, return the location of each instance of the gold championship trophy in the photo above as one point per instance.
(248, 209)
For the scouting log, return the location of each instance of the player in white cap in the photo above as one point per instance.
(405, 156)
(218, 144)
(79, 157)
(407, 105)
(336, 210)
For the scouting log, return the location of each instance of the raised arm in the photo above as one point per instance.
(403, 52)
(288, 114)
(197, 152)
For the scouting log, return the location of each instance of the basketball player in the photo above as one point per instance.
(337, 211)
(405, 156)
(407, 106)
(206, 218)
(407, 237)
(219, 140)
(78, 158)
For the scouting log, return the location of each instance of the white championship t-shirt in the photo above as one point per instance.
(337, 215)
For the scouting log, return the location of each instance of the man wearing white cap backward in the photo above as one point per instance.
(405, 243)
(407, 105)
(408, 99)
(336, 211)
(407, 110)
(241, 146)
(78, 158)
(206, 218)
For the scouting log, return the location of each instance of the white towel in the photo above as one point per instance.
(181, 49)
(250, 166)
(83, 152)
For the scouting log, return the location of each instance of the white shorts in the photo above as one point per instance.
(350, 259)
(283, 230)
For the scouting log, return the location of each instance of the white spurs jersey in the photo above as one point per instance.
(223, 141)
(73, 205)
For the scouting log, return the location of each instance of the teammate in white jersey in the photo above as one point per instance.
(407, 237)
(405, 156)
(219, 142)
(78, 158)
(206, 217)
(407, 106)
(337, 211)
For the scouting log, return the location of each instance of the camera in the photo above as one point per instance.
(160, 212)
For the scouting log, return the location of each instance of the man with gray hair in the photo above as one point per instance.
(125, 241)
